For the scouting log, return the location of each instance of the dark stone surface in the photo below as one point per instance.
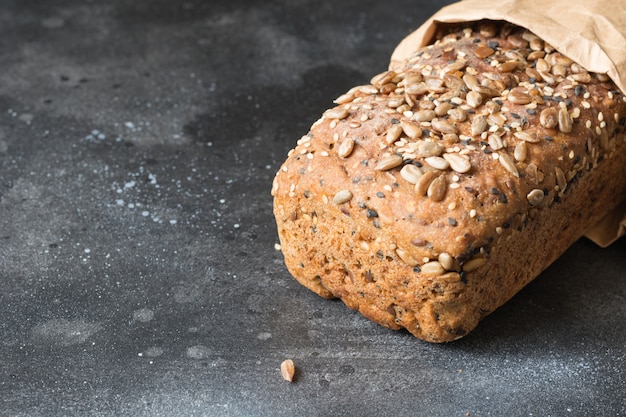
(138, 274)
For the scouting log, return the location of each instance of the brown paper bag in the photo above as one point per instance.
(590, 32)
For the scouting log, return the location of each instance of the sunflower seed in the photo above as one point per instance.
(520, 152)
(479, 125)
(508, 164)
(344, 98)
(565, 121)
(458, 163)
(508, 66)
(336, 113)
(424, 115)
(535, 197)
(495, 142)
(389, 162)
(346, 148)
(526, 136)
(437, 188)
(368, 89)
(474, 263)
(474, 99)
(412, 130)
(437, 162)
(406, 258)
(432, 268)
(342, 196)
(411, 173)
(549, 117)
(471, 81)
(382, 78)
(519, 97)
(457, 115)
(446, 260)
(443, 108)
(428, 148)
(423, 183)
(393, 133)
(440, 125)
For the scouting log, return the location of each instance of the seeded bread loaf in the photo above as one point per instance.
(428, 198)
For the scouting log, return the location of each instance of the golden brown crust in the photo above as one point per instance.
(428, 198)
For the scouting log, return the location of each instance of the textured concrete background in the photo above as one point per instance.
(138, 274)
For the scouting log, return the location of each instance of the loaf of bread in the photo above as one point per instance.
(429, 197)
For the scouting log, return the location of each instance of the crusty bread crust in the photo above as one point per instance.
(428, 198)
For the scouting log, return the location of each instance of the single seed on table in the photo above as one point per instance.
(336, 113)
(342, 196)
(565, 121)
(437, 188)
(287, 370)
(508, 164)
(535, 197)
(411, 173)
(458, 163)
(437, 162)
(526, 136)
(412, 130)
(521, 152)
(549, 117)
(495, 142)
(421, 187)
(393, 133)
(479, 125)
(389, 162)
(346, 148)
